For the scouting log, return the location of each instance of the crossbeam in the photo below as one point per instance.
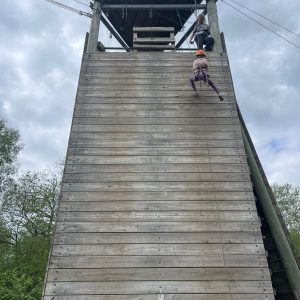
(114, 33)
(152, 6)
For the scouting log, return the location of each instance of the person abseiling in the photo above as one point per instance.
(201, 34)
(200, 70)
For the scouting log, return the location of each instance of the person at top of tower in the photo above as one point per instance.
(201, 36)
(200, 73)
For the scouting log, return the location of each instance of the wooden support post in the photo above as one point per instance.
(214, 25)
(94, 29)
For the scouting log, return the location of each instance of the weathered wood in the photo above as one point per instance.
(155, 121)
(158, 196)
(143, 80)
(117, 206)
(163, 216)
(156, 128)
(124, 287)
(69, 238)
(171, 143)
(178, 261)
(158, 186)
(154, 40)
(153, 159)
(157, 201)
(140, 168)
(153, 29)
(157, 151)
(154, 63)
(158, 107)
(156, 227)
(164, 177)
(174, 274)
(153, 114)
(166, 297)
(157, 249)
(150, 93)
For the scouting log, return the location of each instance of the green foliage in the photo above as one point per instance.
(288, 200)
(26, 225)
(10, 147)
(15, 285)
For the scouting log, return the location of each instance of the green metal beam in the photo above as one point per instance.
(265, 196)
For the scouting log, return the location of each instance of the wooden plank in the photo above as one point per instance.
(156, 226)
(156, 128)
(166, 297)
(156, 177)
(153, 29)
(148, 47)
(158, 186)
(163, 216)
(77, 238)
(152, 55)
(155, 121)
(184, 75)
(139, 168)
(219, 106)
(153, 63)
(159, 287)
(175, 274)
(137, 85)
(159, 196)
(160, 151)
(134, 80)
(205, 102)
(198, 135)
(157, 151)
(214, 71)
(136, 143)
(117, 206)
(154, 114)
(153, 40)
(159, 159)
(157, 249)
(178, 261)
(152, 93)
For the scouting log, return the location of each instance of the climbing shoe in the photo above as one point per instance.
(221, 98)
(196, 94)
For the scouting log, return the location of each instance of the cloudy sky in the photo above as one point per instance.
(40, 55)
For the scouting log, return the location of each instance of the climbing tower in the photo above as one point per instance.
(163, 194)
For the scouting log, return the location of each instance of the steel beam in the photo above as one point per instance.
(94, 29)
(114, 33)
(106, 7)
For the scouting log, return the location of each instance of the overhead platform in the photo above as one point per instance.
(126, 14)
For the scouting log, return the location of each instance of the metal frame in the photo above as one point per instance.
(153, 6)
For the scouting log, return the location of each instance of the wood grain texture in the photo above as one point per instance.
(157, 201)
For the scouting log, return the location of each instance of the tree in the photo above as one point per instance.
(27, 219)
(288, 200)
(30, 203)
(10, 147)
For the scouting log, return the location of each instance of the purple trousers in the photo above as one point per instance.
(202, 77)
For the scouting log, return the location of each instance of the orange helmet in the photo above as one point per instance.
(200, 52)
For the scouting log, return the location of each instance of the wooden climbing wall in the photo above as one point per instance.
(157, 202)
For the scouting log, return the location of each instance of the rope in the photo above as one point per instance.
(182, 30)
(287, 29)
(81, 3)
(254, 20)
(79, 12)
